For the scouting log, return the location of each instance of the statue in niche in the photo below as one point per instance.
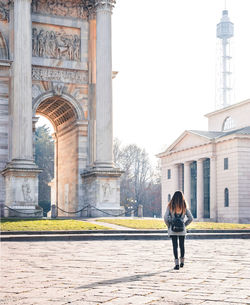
(56, 45)
(27, 191)
(107, 191)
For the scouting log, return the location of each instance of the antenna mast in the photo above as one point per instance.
(225, 31)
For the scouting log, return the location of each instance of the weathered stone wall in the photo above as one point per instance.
(4, 126)
(72, 159)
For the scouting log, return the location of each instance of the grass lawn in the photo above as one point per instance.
(159, 224)
(47, 225)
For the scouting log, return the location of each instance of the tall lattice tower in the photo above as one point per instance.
(225, 33)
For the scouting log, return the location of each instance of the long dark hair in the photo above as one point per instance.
(178, 202)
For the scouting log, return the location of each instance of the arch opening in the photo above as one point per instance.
(68, 148)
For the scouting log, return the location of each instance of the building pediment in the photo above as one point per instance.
(188, 139)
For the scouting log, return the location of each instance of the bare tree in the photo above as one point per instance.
(138, 183)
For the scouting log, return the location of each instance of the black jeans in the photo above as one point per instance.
(175, 245)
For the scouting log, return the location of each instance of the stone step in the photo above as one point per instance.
(117, 236)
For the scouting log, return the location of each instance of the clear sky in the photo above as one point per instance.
(165, 53)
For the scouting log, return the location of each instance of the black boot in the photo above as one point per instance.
(177, 267)
(182, 262)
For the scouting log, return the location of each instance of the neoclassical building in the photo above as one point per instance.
(56, 61)
(212, 167)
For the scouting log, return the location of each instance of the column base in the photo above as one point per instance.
(102, 192)
(21, 185)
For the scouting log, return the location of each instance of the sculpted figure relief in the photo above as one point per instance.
(75, 9)
(26, 191)
(4, 10)
(58, 45)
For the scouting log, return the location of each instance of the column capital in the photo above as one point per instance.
(201, 160)
(104, 5)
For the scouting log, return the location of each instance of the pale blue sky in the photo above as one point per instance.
(165, 53)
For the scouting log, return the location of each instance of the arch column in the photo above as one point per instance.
(101, 182)
(187, 182)
(104, 112)
(200, 190)
(21, 173)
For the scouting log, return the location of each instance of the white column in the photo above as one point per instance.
(200, 190)
(21, 103)
(187, 183)
(104, 117)
(175, 177)
(213, 189)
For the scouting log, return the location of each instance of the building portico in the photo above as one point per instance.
(212, 167)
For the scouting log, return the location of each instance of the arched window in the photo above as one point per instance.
(169, 197)
(228, 124)
(226, 197)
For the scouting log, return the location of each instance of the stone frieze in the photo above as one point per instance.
(64, 76)
(4, 10)
(58, 44)
(73, 8)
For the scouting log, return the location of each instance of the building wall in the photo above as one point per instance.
(227, 179)
(244, 180)
(4, 125)
(239, 113)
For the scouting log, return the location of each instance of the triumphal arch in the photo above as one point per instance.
(55, 61)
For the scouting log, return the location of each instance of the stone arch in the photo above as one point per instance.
(4, 54)
(70, 138)
(63, 107)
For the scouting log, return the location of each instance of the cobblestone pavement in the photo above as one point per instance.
(124, 272)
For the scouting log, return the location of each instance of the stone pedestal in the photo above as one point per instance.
(102, 192)
(22, 192)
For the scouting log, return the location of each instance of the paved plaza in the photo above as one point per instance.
(124, 272)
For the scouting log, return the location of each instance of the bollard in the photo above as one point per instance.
(6, 212)
(140, 210)
(53, 211)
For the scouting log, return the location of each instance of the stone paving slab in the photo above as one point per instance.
(124, 272)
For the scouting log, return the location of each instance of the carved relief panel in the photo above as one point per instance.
(4, 10)
(75, 9)
(56, 42)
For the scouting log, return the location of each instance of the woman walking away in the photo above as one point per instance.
(175, 219)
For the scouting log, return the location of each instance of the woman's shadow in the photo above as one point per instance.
(132, 278)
